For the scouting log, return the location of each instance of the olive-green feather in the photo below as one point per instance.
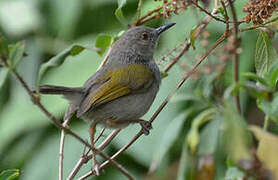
(134, 78)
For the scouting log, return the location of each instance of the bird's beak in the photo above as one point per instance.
(164, 28)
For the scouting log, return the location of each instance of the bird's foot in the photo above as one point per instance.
(146, 127)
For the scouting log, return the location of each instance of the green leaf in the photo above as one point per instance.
(103, 41)
(257, 90)
(233, 173)
(163, 74)
(3, 76)
(9, 174)
(273, 75)
(236, 137)
(267, 149)
(272, 20)
(59, 59)
(265, 54)
(170, 135)
(118, 35)
(3, 46)
(222, 11)
(119, 12)
(270, 108)
(209, 137)
(184, 165)
(193, 136)
(255, 77)
(16, 52)
(192, 37)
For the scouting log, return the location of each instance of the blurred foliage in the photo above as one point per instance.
(10, 174)
(199, 135)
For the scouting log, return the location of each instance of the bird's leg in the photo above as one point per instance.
(92, 132)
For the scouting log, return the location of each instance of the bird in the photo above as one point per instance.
(124, 88)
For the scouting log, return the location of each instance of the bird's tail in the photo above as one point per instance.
(50, 89)
(74, 95)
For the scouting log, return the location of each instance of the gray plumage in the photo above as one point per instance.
(134, 47)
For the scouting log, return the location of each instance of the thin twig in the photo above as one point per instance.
(67, 117)
(201, 26)
(149, 15)
(100, 134)
(266, 122)
(236, 43)
(109, 138)
(106, 57)
(250, 28)
(140, 3)
(225, 15)
(188, 74)
(208, 13)
(84, 159)
(37, 102)
(76, 168)
(61, 150)
(200, 29)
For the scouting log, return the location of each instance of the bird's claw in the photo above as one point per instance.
(146, 127)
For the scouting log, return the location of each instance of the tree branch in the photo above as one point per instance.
(37, 102)
(236, 43)
(84, 159)
(67, 117)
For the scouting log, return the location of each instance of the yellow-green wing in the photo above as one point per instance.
(133, 78)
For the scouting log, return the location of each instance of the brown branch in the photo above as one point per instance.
(208, 13)
(37, 102)
(67, 117)
(155, 13)
(177, 58)
(200, 29)
(141, 20)
(100, 134)
(236, 43)
(140, 3)
(109, 138)
(85, 158)
(61, 150)
(105, 58)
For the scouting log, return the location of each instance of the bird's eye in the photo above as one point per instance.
(145, 36)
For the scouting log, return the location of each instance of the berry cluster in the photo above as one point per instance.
(174, 6)
(259, 10)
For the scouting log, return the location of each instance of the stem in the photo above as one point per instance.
(266, 122)
(200, 28)
(67, 117)
(109, 138)
(61, 153)
(236, 55)
(37, 102)
(208, 13)
(84, 159)
(140, 3)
